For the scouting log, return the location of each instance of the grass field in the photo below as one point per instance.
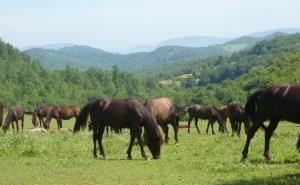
(64, 158)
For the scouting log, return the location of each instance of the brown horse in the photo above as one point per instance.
(61, 113)
(39, 114)
(120, 113)
(1, 113)
(204, 112)
(237, 116)
(165, 111)
(15, 114)
(276, 103)
(223, 111)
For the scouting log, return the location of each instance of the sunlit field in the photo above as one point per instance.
(64, 158)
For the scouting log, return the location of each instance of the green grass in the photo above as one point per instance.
(64, 158)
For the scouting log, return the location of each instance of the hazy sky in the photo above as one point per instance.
(120, 24)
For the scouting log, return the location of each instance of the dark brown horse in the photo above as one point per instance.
(15, 114)
(1, 113)
(204, 112)
(120, 113)
(39, 114)
(274, 103)
(237, 116)
(61, 113)
(165, 111)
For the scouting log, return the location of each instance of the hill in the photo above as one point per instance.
(83, 57)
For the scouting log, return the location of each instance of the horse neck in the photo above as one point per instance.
(8, 119)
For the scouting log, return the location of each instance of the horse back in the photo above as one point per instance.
(280, 102)
(160, 108)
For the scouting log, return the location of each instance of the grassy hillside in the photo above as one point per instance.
(83, 57)
(64, 158)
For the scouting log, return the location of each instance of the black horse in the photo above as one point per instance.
(205, 112)
(15, 114)
(276, 103)
(120, 113)
(237, 116)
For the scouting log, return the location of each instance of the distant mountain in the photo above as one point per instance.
(139, 48)
(269, 32)
(193, 41)
(48, 46)
(85, 57)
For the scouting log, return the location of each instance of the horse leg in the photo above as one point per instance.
(166, 130)
(232, 127)
(17, 125)
(196, 124)
(139, 137)
(212, 127)
(106, 127)
(189, 123)
(12, 126)
(99, 137)
(250, 135)
(207, 128)
(132, 138)
(175, 127)
(95, 133)
(239, 128)
(268, 134)
(22, 123)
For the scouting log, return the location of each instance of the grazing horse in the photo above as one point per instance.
(61, 113)
(204, 112)
(39, 114)
(1, 113)
(165, 111)
(120, 113)
(237, 116)
(16, 113)
(276, 103)
(223, 111)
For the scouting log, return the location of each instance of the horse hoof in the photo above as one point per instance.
(104, 158)
(129, 157)
(243, 160)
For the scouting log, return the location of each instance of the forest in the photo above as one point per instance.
(213, 80)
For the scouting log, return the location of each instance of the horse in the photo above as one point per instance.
(60, 113)
(237, 116)
(107, 128)
(274, 103)
(1, 113)
(204, 112)
(120, 113)
(165, 111)
(15, 114)
(223, 111)
(39, 114)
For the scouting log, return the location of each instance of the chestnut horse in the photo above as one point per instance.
(120, 113)
(237, 116)
(15, 114)
(274, 103)
(204, 112)
(61, 113)
(223, 111)
(39, 114)
(165, 111)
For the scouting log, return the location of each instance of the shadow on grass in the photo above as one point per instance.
(289, 179)
(264, 161)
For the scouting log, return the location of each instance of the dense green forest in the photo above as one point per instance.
(214, 80)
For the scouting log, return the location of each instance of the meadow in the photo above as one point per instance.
(64, 158)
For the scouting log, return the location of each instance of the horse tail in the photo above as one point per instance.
(81, 120)
(250, 108)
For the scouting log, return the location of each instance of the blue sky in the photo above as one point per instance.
(116, 25)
